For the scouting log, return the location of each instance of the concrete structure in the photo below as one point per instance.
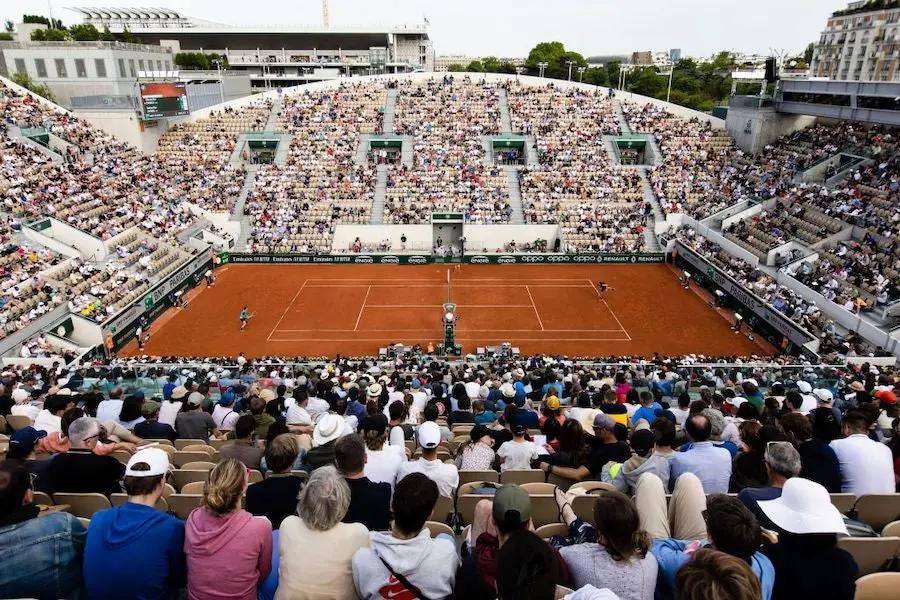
(442, 62)
(860, 43)
(754, 122)
(867, 101)
(81, 73)
(275, 57)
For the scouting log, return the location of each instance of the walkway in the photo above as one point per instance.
(623, 122)
(389, 107)
(515, 195)
(272, 123)
(377, 216)
(505, 118)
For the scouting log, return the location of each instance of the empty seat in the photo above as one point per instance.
(82, 505)
(870, 553)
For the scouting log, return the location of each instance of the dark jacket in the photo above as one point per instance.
(155, 431)
(134, 551)
(810, 566)
(275, 498)
(819, 463)
(82, 471)
(320, 456)
(370, 504)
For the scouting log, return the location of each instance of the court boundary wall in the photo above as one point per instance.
(226, 258)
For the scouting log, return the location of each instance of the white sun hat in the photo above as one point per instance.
(804, 508)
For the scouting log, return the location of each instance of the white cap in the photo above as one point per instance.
(195, 399)
(473, 390)
(155, 457)
(804, 387)
(429, 434)
(823, 395)
(752, 382)
(508, 390)
(19, 395)
(804, 508)
(328, 428)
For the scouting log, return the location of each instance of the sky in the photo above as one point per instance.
(510, 28)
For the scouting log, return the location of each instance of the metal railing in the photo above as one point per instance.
(100, 45)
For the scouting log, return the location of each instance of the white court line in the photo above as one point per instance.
(532, 330)
(481, 339)
(286, 309)
(444, 281)
(442, 306)
(362, 308)
(413, 284)
(534, 306)
(606, 304)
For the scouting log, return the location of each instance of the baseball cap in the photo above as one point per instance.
(227, 398)
(22, 441)
(823, 395)
(603, 421)
(157, 459)
(804, 387)
(267, 395)
(511, 505)
(149, 408)
(553, 403)
(886, 396)
(179, 392)
(377, 423)
(429, 434)
(195, 399)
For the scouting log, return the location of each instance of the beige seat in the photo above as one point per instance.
(544, 509)
(85, 522)
(199, 448)
(217, 444)
(545, 532)
(194, 487)
(843, 502)
(522, 476)
(42, 498)
(469, 476)
(870, 553)
(562, 591)
(878, 509)
(183, 504)
(255, 476)
(442, 508)
(181, 443)
(181, 477)
(538, 488)
(438, 528)
(878, 586)
(465, 506)
(182, 457)
(82, 505)
(891, 529)
(2, 424)
(199, 466)
(123, 456)
(160, 442)
(592, 486)
(17, 422)
(120, 499)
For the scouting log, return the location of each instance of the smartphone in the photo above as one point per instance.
(540, 440)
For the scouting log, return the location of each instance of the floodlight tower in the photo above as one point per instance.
(325, 19)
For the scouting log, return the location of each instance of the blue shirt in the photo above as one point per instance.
(648, 414)
(710, 464)
(670, 555)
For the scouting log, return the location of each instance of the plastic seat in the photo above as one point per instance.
(470, 476)
(877, 586)
(437, 528)
(870, 553)
(120, 499)
(183, 504)
(181, 457)
(522, 476)
(878, 509)
(182, 477)
(82, 505)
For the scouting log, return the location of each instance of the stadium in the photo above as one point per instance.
(459, 331)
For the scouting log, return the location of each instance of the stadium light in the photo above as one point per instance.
(570, 63)
(221, 83)
(581, 71)
(542, 66)
(519, 71)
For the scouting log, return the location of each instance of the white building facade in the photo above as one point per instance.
(859, 44)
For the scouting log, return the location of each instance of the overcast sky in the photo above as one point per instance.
(510, 28)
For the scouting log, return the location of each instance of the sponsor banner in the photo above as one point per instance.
(418, 259)
(751, 301)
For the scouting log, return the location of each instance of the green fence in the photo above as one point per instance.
(418, 259)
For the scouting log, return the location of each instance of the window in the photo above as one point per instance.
(20, 65)
(60, 68)
(159, 65)
(140, 64)
(100, 66)
(41, 67)
(80, 69)
(122, 72)
(131, 67)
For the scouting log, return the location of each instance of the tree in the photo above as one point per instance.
(557, 58)
(107, 35)
(456, 68)
(128, 37)
(6, 36)
(200, 61)
(475, 67)
(50, 35)
(808, 53)
(55, 24)
(84, 32)
(25, 80)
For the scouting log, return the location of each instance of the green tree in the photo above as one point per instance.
(6, 36)
(25, 80)
(456, 68)
(490, 64)
(55, 24)
(107, 35)
(128, 37)
(475, 67)
(557, 58)
(84, 32)
(808, 53)
(50, 35)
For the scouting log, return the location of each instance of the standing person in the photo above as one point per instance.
(220, 533)
(244, 317)
(602, 288)
(407, 559)
(134, 550)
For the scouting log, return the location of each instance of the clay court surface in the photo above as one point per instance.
(323, 310)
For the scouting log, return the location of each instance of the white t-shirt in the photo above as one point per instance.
(517, 455)
(168, 410)
(225, 417)
(444, 475)
(46, 421)
(317, 406)
(681, 415)
(25, 410)
(108, 410)
(297, 415)
(382, 465)
(420, 399)
(867, 467)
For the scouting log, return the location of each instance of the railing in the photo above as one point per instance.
(95, 44)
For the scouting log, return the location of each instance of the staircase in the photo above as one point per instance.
(272, 123)
(651, 242)
(241, 244)
(377, 216)
(515, 196)
(249, 180)
(505, 119)
(623, 122)
(389, 107)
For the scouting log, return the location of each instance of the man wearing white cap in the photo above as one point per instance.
(444, 475)
(135, 547)
(809, 401)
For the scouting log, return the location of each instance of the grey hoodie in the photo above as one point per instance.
(629, 473)
(429, 564)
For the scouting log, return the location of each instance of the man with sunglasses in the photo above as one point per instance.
(80, 470)
(41, 556)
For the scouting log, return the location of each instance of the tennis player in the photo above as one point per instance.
(602, 288)
(244, 317)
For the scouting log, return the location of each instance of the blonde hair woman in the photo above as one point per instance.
(229, 551)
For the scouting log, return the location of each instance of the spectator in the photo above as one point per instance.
(193, 423)
(41, 556)
(606, 448)
(276, 496)
(806, 558)
(818, 462)
(519, 453)
(710, 464)
(151, 428)
(326, 572)
(258, 410)
(463, 413)
(527, 558)
(478, 453)
(731, 529)
(328, 429)
(370, 502)
(134, 550)
(445, 476)
(80, 470)
(220, 533)
(407, 559)
(652, 454)
(50, 418)
(648, 409)
(712, 575)
(23, 444)
(867, 467)
(614, 553)
(782, 462)
(243, 448)
(224, 414)
(382, 460)
(172, 404)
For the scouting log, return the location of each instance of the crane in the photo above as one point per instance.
(325, 20)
